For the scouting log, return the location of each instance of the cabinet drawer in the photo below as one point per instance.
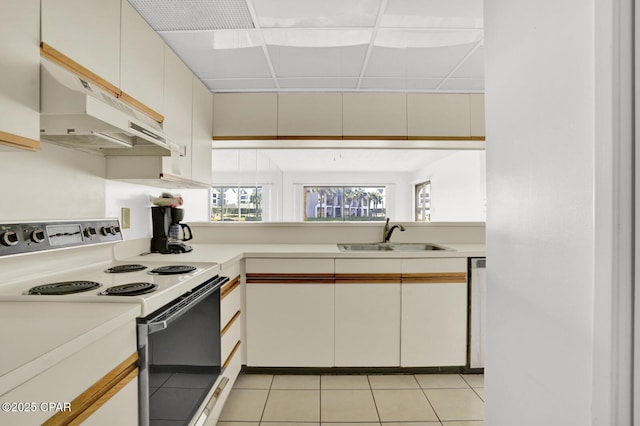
(452, 264)
(231, 334)
(289, 266)
(231, 300)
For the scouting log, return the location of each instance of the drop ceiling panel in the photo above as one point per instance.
(319, 83)
(176, 15)
(240, 84)
(317, 61)
(315, 14)
(400, 84)
(433, 14)
(472, 67)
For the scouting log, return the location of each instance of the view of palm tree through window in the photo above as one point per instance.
(343, 203)
(237, 204)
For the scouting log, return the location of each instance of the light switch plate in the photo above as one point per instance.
(126, 217)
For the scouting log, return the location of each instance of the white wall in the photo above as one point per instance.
(540, 232)
(50, 184)
(458, 187)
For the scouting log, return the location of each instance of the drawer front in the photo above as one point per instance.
(231, 300)
(452, 264)
(231, 335)
(289, 266)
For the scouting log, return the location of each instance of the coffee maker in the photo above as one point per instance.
(168, 232)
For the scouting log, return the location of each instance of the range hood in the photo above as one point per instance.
(78, 114)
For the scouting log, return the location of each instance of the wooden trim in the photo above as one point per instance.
(373, 137)
(350, 137)
(21, 142)
(309, 137)
(438, 277)
(134, 103)
(280, 278)
(230, 323)
(63, 60)
(367, 278)
(230, 357)
(97, 395)
(229, 287)
(244, 138)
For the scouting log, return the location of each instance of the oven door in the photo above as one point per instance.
(179, 352)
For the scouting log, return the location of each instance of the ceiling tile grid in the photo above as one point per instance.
(328, 45)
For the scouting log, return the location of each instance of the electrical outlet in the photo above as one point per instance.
(126, 218)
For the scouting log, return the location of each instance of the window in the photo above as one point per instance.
(344, 203)
(423, 201)
(237, 204)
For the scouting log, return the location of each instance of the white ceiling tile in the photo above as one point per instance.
(240, 84)
(319, 83)
(463, 85)
(317, 37)
(433, 14)
(473, 66)
(400, 84)
(317, 62)
(426, 38)
(197, 50)
(313, 13)
(176, 15)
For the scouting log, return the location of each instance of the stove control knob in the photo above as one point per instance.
(37, 236)
(107, 230)
(89, 231)
(9, 238)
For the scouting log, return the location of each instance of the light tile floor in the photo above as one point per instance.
(383, 400)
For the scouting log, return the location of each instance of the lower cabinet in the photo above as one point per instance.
(290, 312)
(367, 313)
(99, 384)
(434, 312)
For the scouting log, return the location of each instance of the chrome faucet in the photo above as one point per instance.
(386, 234)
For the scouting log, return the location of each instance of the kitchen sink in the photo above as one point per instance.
(390, 247)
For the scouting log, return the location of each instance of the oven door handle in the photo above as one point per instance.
(181, 306)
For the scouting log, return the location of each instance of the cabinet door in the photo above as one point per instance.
(434, 116)
(367, 305)
(20, 82)
(201, 132)
(476, 103)
(374, 115)
(87, 31)
(290, 325)
(237, 115)
(290, 312)
(434, 312)
(178, 110)
(310, 114)
(142, 60)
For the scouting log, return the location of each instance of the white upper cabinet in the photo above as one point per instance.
(245, 114)
(310, 114)
(201, 132)
(374, 115)
(178, 105)
(87, 32)
(476, 103)
(20, 82)
(142, 60)
(438, 115)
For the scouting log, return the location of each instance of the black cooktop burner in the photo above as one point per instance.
(131, 289)
(173, 269)
(126, 268)
(64, 287)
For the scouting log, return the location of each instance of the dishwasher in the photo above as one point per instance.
(477, 314)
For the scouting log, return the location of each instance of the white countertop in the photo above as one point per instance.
(37, 335)
(224, 253)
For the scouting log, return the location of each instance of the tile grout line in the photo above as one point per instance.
(375, 404)
(264, 408)
(429, 401)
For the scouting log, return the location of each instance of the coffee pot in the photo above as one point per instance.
(168, 233)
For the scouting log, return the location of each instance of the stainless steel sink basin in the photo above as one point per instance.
(390, 247)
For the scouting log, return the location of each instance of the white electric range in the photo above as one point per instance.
(73, 261)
